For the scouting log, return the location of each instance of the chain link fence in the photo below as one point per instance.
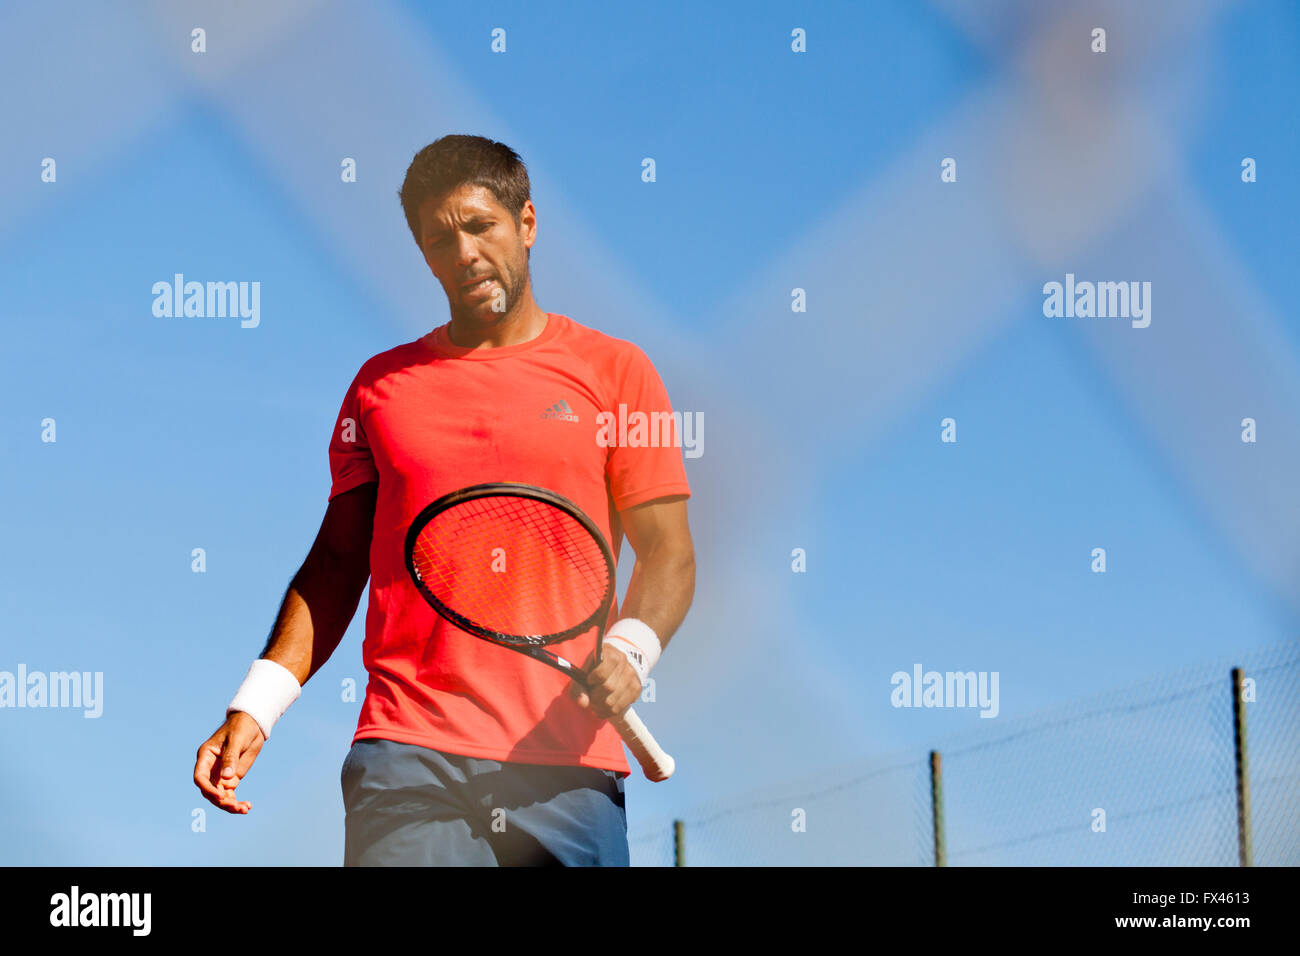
(1142, 776)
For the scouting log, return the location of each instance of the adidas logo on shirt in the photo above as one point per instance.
(562, 411)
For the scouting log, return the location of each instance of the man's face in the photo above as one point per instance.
(467, 236)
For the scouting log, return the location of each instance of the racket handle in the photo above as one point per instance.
(652, 758)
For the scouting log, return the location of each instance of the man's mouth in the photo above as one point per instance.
(477, 286)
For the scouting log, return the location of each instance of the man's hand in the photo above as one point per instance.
(615, 685)
(225, 758)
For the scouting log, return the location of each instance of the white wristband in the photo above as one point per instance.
(638, 642)
(266, 693)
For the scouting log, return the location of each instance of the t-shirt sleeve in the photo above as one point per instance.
(644, 463)
(351, 463)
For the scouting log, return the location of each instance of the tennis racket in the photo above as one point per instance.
(523, 567)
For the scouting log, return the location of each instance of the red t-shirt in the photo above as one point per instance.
(429, 417)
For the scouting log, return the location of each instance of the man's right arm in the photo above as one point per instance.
(323, 595)
(315, 612)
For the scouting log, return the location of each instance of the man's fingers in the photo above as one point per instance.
(613, 686)
(611, 662)
(232, 804)
(207, 778)
(221, 797)
(621, 702)
(616, 694)
(207, 759)
(226, 798)
(224, 760)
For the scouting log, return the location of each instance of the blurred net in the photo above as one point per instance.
(1141, 776)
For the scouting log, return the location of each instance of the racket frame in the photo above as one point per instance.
(533, 645)
(657, 763)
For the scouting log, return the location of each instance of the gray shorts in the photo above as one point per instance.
(412, 806)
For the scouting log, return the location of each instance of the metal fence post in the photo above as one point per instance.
(679, 843)
(936, 802)
(1245, 851)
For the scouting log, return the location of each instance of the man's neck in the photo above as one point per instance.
(509, 329)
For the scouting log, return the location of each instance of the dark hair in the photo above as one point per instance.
(458, 160)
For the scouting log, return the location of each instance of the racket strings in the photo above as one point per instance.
(566, 534)
(516, 566)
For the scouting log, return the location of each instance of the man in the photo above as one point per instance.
(467, 752)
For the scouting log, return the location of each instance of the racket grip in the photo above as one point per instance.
(657, 764)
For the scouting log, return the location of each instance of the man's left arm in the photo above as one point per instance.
(659, 595)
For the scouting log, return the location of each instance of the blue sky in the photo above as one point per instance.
(775, 171)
